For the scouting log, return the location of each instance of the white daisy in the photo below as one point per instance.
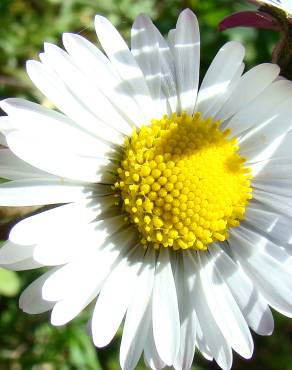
(284, 5)
(174, 205)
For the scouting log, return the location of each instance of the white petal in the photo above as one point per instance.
(185, 283)
(168, 79)
(151, 356)
(265, 271)
(5, 126)
(47, 81)
(219, 348)
(275, 224)
(274, 186)
(253, 307)
(125, 63)
(261, 241)
(31, 300)
(138, 315)
(145, 48)
(251, 84)
(219, 75)
(78, 290)
(281, 147)
(70, 246)
(13, 253)
(115, 296)
(224, 96)
(277, 202)
(273, 125)
(171, 39)
(99, 69)
(37, 151)
(89, 95)
(64, 249)
(202, 344)
(166, 325)
(187, 59)
(40, 121)
(13, 168)
(224, 309)
(252, 114)
(3, 141)
(77, 274)
(141, 337)
(66, 279)
(42, 191)
(25, 264)
(274, 168)
(64, 282)
(64, 218)
(74, 301)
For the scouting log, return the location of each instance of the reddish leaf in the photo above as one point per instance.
(255, 19)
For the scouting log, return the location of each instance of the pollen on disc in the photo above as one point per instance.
(182, 182)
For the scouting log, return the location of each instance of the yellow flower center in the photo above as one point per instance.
(182, 182)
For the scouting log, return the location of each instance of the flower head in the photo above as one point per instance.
(172, 203)
(275, 15)
(271, 14)
(283, 5)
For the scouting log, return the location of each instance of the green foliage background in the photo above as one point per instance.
(30, 342)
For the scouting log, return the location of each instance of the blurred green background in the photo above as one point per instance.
(30, 342)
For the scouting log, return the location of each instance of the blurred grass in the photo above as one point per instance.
(30, 342)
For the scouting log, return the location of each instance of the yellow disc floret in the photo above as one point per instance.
(182, 182)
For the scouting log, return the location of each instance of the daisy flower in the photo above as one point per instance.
(284, 5)
(272, 14)
(275, 15)
(171, 204)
